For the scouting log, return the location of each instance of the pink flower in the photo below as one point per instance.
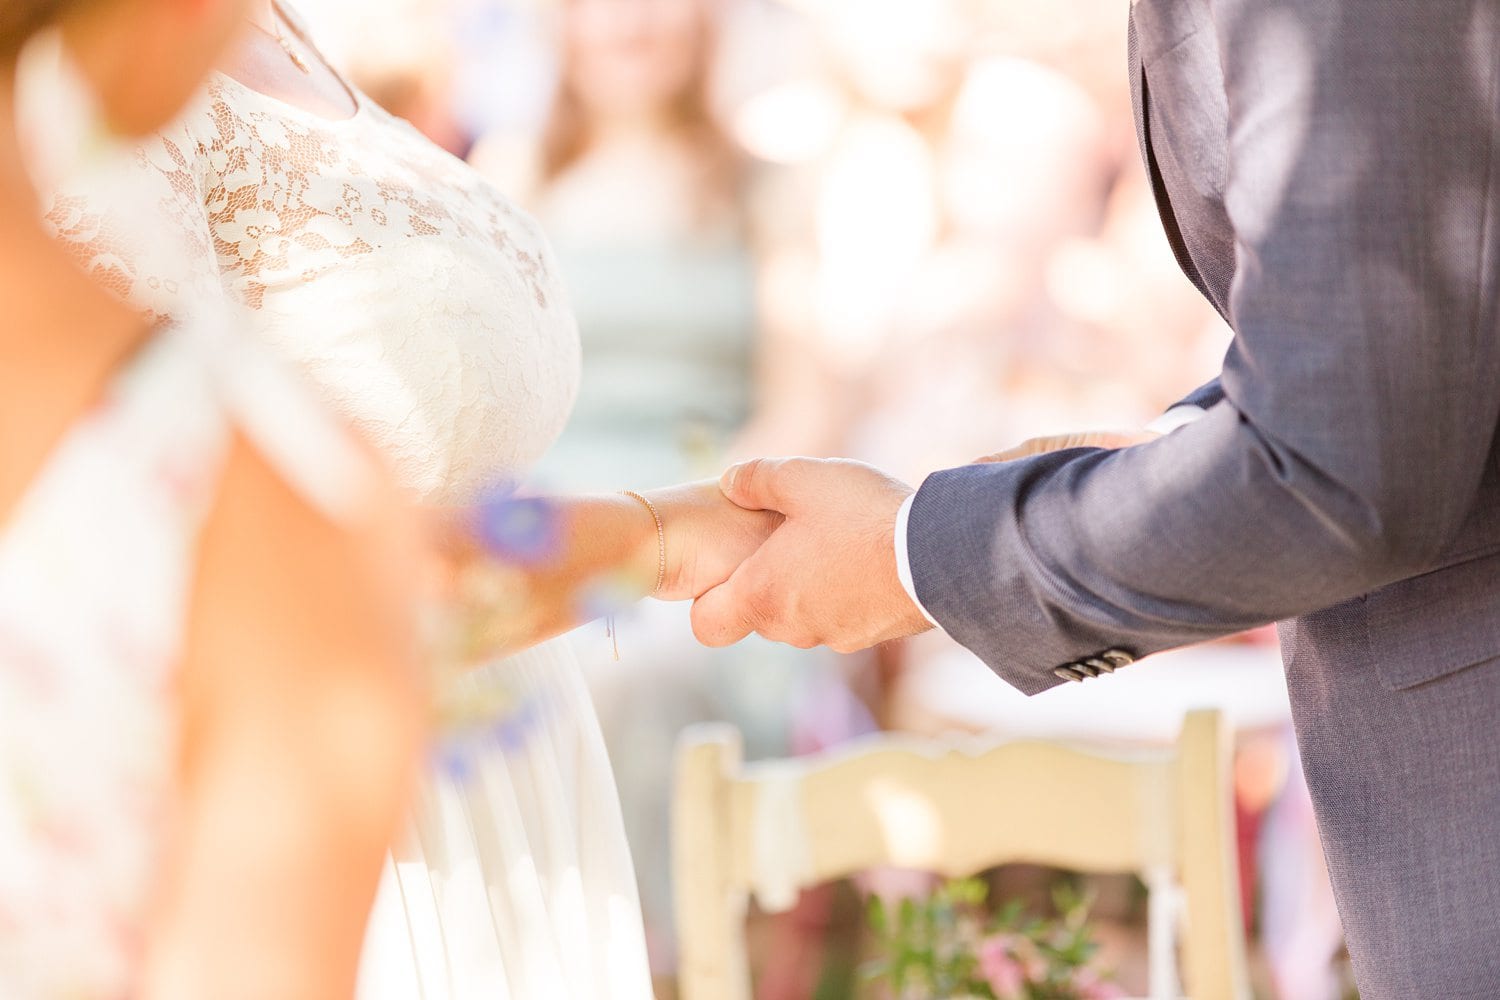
(999, 967)
(1091, 987)
(1033, 965)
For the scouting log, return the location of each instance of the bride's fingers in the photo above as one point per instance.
(1024, 450)
(1060, 442)
(1038, 446)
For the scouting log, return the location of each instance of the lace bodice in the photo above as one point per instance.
(425, 306)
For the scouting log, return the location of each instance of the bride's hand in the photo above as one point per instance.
(707, 537)
(1058, 442)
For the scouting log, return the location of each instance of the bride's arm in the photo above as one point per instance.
(528, 569)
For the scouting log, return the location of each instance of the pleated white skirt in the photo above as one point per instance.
(515, 881)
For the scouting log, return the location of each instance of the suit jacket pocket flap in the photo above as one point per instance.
(1438, 623)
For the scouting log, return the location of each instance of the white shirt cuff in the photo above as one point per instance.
(1177, 416)
(903, 558)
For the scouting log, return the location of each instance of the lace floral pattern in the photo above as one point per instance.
(424, 305)
(102, 215)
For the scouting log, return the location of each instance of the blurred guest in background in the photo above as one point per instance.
(208, 709)
(1007, 200)
(641, 195)
(656, 216)
(657, 219)
(401, 55)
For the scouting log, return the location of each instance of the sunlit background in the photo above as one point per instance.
(912, 232)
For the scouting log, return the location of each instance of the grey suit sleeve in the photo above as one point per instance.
(1360, 397)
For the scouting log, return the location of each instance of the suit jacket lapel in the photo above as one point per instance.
(1140, 100)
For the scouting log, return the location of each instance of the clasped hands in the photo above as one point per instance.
(807, 553)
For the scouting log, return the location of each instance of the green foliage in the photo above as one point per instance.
(952, 944)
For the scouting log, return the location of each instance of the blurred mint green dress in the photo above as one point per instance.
(668, 335)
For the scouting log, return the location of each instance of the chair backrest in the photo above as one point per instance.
(955, 808)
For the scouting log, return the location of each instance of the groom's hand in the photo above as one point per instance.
(827, 576)
(706, 536)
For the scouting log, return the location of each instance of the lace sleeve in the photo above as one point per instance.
(140, 226)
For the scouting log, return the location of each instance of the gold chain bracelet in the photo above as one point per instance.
(661, 540)
(661, 564)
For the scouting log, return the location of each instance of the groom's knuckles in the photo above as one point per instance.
(762, 597)
(764, 608)
(792, 618)
(761, 604)
(840, 635)
(801, 640)
(846, 644)
(713, 621)
(726, 614)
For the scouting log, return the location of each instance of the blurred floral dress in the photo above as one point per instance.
(96, 568)
(426, 310)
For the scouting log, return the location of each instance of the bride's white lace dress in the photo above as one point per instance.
(427, 310)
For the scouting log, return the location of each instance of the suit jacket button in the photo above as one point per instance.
(1119, 657)
(1069, 674)
(1099, 665)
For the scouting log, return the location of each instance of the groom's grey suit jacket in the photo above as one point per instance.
(1327, 172)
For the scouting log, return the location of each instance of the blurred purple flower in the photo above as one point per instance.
(452, 760)
(511, 731)
(606, 596)
(1000, 968)
(518, 530)
(458, 750)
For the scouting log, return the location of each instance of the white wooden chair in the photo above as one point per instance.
(956, 808)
